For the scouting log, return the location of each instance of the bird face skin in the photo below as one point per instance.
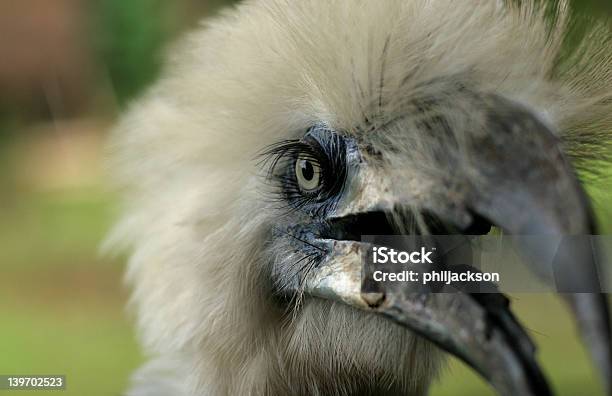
(282, 132)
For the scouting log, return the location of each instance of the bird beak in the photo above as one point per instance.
(525, 186)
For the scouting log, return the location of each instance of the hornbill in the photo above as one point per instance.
(281, 131)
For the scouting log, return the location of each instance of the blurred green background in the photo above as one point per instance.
(67, 68)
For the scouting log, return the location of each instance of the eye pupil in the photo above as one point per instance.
(307, 170)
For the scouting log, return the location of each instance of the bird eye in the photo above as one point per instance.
(307, 173)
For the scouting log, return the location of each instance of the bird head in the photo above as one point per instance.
(282, 132)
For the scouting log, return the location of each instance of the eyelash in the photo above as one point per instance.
(280, 160)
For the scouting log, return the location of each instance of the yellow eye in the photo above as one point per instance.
(307, 173)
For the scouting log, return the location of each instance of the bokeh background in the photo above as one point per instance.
(67, 69)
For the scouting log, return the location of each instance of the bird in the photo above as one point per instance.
(280, 132)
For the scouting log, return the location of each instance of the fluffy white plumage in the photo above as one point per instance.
(194, 219)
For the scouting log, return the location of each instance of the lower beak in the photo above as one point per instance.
(480, 329)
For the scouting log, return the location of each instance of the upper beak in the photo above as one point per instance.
(539, 194)
(524, 186)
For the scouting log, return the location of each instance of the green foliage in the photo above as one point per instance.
(128, 37)
(89, 342)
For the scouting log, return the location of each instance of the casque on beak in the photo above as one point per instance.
(520, 182)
